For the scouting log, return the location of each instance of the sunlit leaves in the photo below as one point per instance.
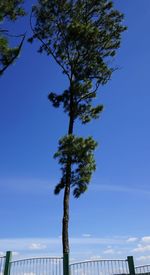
(79, 151)
(81, 35)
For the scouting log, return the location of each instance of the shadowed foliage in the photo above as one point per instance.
(83, 37)
(10, 10)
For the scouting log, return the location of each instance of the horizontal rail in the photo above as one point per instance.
(97, 260)
(100, 267)
(38, 258)
(142, 269)
(141, 266)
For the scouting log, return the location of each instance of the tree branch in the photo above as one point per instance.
(86, 96)
(14, 57)
(48, 49)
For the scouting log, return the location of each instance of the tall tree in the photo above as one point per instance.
(10, 10)
(83, 37)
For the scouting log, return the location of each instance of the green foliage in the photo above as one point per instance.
(80, 152)
(83, 37)
(81, 103)
(9, 10)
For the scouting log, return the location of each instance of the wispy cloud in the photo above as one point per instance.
(143, 258)
(27, 243)
(33, 185)
(37, 246)
(26, 186)
(43, 243)
(119, 189)
(132, 239)
(85, 235)
(141, 248)
(96, 241)
(112, 251)
(82, 247)
(146, 239)
(109, 251)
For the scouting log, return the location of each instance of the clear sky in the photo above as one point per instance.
(111, 220)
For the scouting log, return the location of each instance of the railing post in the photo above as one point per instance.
(131, 265)
(66, 264)
(7, 263)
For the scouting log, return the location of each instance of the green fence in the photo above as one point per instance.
(143, 269)
(37, 266)
(103, 267)
(61, 266)
(5, 263)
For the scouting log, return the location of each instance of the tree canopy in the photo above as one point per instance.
(10, 10)
(83, 37)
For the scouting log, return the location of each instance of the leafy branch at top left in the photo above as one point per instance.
(10, 10)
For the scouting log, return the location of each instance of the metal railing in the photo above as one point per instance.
(2, 264)
(60, 266)
(100, 267)
(37, 266)
(143, 269)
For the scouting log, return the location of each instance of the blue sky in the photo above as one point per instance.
(112, 218)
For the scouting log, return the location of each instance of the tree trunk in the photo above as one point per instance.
(65, 221)
(65, 237)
